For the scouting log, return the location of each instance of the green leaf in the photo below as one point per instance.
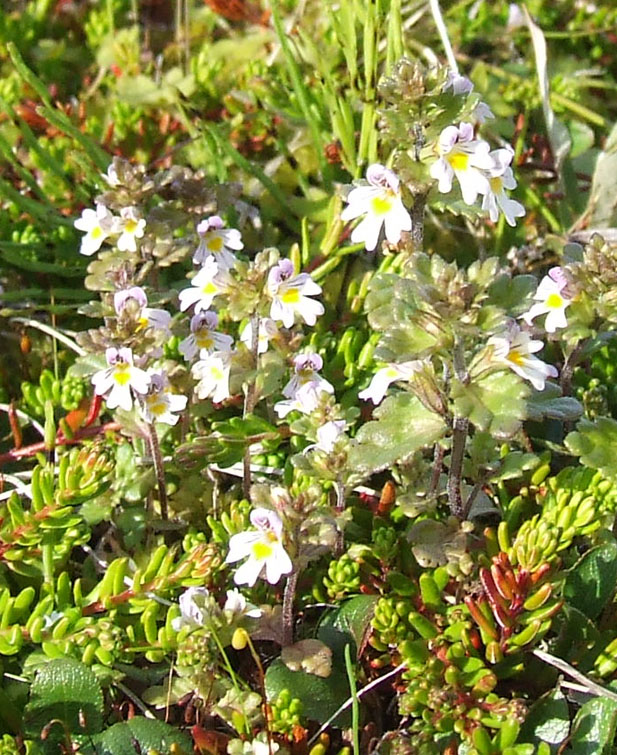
(578, 639)
(551, 404)
(593, 729)
(512, 293)
(603, 195)
(591, 581)
(86, 366)
(548, 721)
(402, 427)
(320, 697)
(68, 690)
(495, 403)
(138, 735)
(347, 624)
(596, 444)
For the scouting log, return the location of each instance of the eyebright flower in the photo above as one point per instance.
(516, 19)
(130, 226)
(98, 225)
(119, 378)
(500, 178)
(268, 330)
(147, 316)
(482, 113)
(195, 607)
(264, 548)
(515, 350)
(550, 301)
(459, 84)
(159, 404)
(462, 156)
(303, 392)
(208, 283)
(306, 376)
(382, 205)
(385, 376)
(237, 604)
(327, 436)
(290, 295)
(216, 242)
(212, 374)
(203, 338)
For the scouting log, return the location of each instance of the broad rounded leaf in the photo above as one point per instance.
(402, 427)
(593, 729)
(138, 735)
(548, 721)
(320, 697)
(68, 690)
(591, 581)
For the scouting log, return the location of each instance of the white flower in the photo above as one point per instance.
(214, 241)
(160, 403)
(327, 436)
(482, 113)
(130, 226)
(264, 548)
(290, 295)
(237, 604)
(212, 374)
(550, 301)
(208, 283)
(500, 178)
(147, 316)
(515, 350)
(385, 376)
(111, 177)
(304, 391)
(459, 84)
(516, 19)
(98, 225)
(118, 379)
(306, 376)
(204, 339)
(462, 156)
(382, 205)
(268, 330)
(195, 606)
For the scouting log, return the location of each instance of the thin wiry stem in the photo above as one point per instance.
(592, 687)
(359, 694)
(53, 332)
(250, 399)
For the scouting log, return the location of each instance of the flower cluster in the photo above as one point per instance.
(100, 224)
(478, 171)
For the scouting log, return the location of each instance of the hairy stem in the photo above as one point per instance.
(159, 470)
(250, 399)
(288, 608)
(459, 438)
(438, 454)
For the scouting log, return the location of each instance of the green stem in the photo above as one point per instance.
(355, 708)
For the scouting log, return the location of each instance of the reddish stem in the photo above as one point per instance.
(35, 448)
